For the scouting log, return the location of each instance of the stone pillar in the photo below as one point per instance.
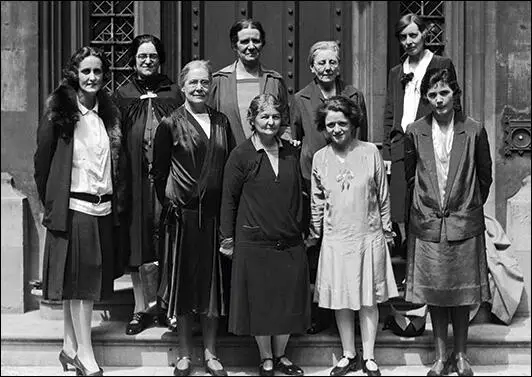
(369, 41)
(518, 230)
(15, 250)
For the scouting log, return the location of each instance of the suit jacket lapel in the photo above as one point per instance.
(459, 140)
(427, 144)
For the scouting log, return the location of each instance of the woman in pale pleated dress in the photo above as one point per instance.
(351, 211)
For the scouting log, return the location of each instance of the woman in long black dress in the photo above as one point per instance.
(191, 147)
(261, 216)
(144, 101)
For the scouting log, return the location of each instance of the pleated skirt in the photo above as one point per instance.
(88, 269)
(447, 273)
(270, 290)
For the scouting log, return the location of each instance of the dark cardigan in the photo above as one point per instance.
(53, 157)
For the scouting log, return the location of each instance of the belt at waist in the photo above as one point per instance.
(276, 244)
(95, 199)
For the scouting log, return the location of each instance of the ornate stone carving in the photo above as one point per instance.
(516, 132)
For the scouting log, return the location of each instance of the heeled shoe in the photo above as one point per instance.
(183, 372)
(266, 372)
(439, 368)
(290, 370)
(82, 371)
(214, 372)
(370, 372)
(462, 366)
(64, 359)
(352, 366)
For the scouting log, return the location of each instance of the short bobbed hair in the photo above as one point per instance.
(340, 104)
(244, 24)
(71, 70)
(205, 64)
(140, 40)
(406, 20)
(261, 102)
(445, 76)
(322, 45)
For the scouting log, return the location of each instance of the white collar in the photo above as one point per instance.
(83, 110)
(423, 62)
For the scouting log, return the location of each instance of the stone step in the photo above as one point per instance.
(388, 370)
(29, 334)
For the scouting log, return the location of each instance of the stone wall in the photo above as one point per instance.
(20, 111)
(513, 95)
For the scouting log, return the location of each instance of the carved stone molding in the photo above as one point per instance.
(517, 133)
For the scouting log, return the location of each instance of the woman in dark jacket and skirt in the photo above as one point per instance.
(79, 172)
(261, 216)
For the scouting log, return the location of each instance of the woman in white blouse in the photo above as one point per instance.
(403, 105)
(79, 172)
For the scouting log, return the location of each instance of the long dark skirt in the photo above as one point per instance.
(191, 281)
(270, 291)
(79, 264)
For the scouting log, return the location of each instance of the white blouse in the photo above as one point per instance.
(91, 162)
(443, 143)
(412, 88)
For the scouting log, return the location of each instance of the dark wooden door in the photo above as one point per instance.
(291, 28)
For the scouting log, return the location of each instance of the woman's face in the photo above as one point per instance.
(196, 86)
(248, 46)
(326, 66)
(338, 128)
(90, 75)
(267, 122)
(412, 40)
(440, 98)
(147, 60)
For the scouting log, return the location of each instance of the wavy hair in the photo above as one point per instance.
(340, 104)
(71, 70)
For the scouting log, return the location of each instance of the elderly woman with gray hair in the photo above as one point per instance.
(191, 147)
(325, 63)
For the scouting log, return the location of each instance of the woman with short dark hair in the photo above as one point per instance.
(351, 214)
(237, 84)
(144, 101)
(448, 170)
(404, 106)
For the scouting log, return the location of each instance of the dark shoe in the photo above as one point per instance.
(183, 372)
(352, 366)
(215, 372)
(82, 371)
(266, 372)
(290, 370)
(137, 324)
(439, 368)
(64, 359)
(462, 365)
(316, 327)
(370, 372)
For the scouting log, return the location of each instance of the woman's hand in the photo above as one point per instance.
(390, 239)
(226, 247)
